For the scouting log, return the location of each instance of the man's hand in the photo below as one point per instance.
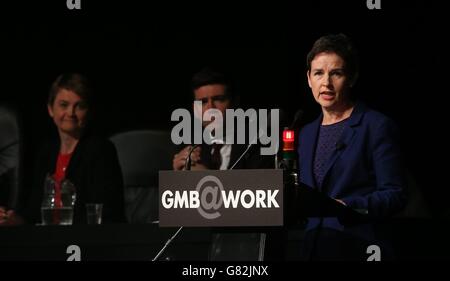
(179, 159)
(3, 215)
(9, 217)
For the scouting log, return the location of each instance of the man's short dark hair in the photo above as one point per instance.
(339, 44)
(210, 76)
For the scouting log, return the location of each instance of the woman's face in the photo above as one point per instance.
(328, 81)
(68, 112)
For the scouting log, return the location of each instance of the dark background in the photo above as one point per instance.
(141, 58)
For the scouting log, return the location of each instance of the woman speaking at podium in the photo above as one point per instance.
(350, 153)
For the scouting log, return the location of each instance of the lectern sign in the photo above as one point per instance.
(221, 198)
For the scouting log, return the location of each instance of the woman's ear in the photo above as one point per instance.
(307, 76)
(50, 110)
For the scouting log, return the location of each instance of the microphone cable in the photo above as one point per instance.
(187, 167)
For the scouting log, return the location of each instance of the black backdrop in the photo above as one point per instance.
(141, 57)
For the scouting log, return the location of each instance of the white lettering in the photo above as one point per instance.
(210, 199)
(230, 198)
(183, 199)
(167, 202)
(249, 193)
(271, 199)
(194, 199)
(260, 196)
(199, 271)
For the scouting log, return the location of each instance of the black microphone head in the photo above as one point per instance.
(340, 145)
(297, 119)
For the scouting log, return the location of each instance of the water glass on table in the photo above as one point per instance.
(94, 213)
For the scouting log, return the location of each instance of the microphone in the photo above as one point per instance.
(242, 155)
(340, 145)
(168, 242)
(288, 155)
(290, 169)
(187, 167)
(297, 120)
(289, 139)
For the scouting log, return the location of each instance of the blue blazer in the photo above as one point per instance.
(364, 170)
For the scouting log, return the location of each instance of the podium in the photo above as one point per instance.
(302, 201)
(268, 243)
(243, 231)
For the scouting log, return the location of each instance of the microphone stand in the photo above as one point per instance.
(187, 167)
(242, 155)
(168, 242)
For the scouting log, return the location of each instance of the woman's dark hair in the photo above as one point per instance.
(341, 45)
(75, 82)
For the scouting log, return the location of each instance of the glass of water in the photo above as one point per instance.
(94, 213)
